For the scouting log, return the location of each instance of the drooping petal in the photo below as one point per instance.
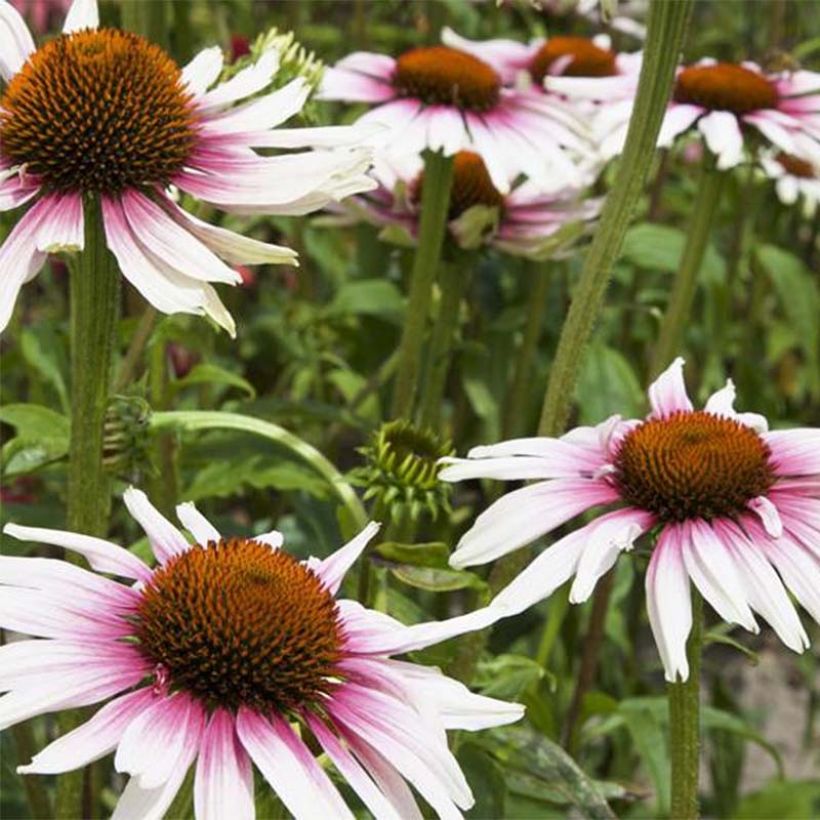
(288, 765)
(712, 569)
(224, 777)
(196, 523)
(93, 739)
(333, 569)
(677, 119)
(166, 540)
(16, 43)
(798, 568)
(82, 14)
(795, 452)
(669, 603)
(101, 555)
(667, 394)
(62, 228)
(244, 83)
(768, 514)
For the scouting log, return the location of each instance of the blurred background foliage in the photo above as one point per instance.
(313, 355)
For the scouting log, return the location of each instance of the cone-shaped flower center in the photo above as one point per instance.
(439, 75)
(471, 185)
(238, 623)
(98, 111)
(692, 465)
(581, 56)
(795, 166)
(725, 87)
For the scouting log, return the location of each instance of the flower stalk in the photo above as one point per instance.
(95, 310)
(683, 291)
(684, 724)
(435, 204)
(667, 24)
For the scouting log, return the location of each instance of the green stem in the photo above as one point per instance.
(453, 278)
(667, 24)
(435, 203)
(515, 416)
(148, 19)
(680, 302)
(192, 420)
(95, 308)
(684, 724)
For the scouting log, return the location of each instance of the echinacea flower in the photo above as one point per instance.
(721, 100)
(794, 178)
(731, 503)
(102, 114)
(230, 652)
(444, 99)
(528, 221)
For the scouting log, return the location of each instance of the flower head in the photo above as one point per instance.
(794, 178)
(527, 221)
(448, 99)
(230, 653)
(99, 114)
(722, 101)
(733, 507)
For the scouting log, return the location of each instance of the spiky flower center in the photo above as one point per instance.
(438, 75)
(238, 623)
(471, 186)
(725, 87)
(581, 56)
(795, 166)
(692, 465)
(98, 111)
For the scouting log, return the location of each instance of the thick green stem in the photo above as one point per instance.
(666, 28)
(684, 724)
(680, 302)
(453, 279)
(515, 415)
(435, 203)
(95, 309)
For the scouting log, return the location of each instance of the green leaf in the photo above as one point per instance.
(784, 799)
(524, 751)
(40, 350)
(607, 381)
(376, 297)
(42, 437)
(659, 247)
(507, 676)
(214, 374)
(486, 779)
(33, 420)
(437, 580)
(432, 554)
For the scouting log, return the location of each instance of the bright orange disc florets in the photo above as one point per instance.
(692, 465)
(439, 75)
(98, 111)
(588, 60)
(238, 623)
(725, 87)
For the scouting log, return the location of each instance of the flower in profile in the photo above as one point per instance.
(732, 504)
(722, 101)
(99, 114)
(448, 100)
(231, 652)
(528, 221)
(794, 178)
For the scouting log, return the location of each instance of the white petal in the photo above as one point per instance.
(201, 73)
(166, 540)
(711, 568)
(196, 524)
(274, 539)
(799, 569)
(288, 765)
(139, 803)
(82, 14)
(244, 83)
(667, 394)
(669, 603)
(333, 569)
(101, 555)
(721, 403)
(16, 43)
(93, 739)
(224, 777)
(768, 514)
(675, 121)
(723, 137)
(262, 114)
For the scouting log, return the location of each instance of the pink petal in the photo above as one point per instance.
(667, 394)
(93, 739)
(166, 540)
(795, 452)
(768, 514)
(669, 603)
(290, 768)
(224, 777)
